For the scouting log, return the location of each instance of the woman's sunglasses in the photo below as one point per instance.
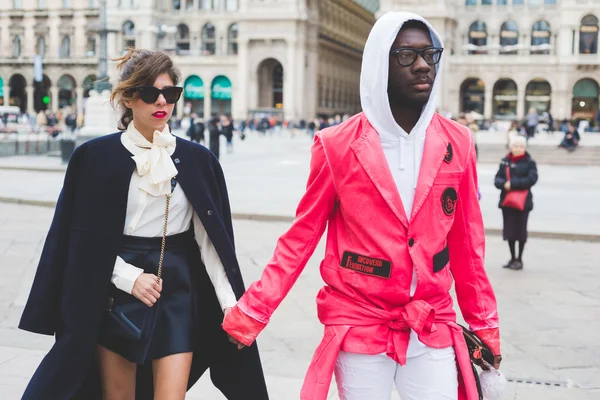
(149, 94)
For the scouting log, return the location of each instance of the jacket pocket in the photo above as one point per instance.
(441, 259)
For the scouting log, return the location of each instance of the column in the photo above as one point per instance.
(240, 102)
(488, 100)
(289, 86)
(521, 101)
(564, 43)
(6, 95)
(207, 102)
(180, 105)
(576, 47)
(54, 98)
(79, 92)
(30, 108)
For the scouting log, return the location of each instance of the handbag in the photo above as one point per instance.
(126, 316)
(515, 198)
(479, 354)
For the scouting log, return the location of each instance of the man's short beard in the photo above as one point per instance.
(404, 102)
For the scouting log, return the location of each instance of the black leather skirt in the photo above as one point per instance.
(173, 320)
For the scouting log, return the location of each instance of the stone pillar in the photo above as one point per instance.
(207, 103)
(6, 95)
(240, 102)
(289, 85)
(520, 102)
(54, 98)
(576, 49)
(30, 90)
(180, 104)
(565, 38)
(488, 101)
(79, 105)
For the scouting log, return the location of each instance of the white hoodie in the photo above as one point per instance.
(402, 151)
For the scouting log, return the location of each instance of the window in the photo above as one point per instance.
(534, 3)
(65, 48)
(91, 46)
(518, 2)
(41, 4)
(176, 4)
(17, 4)
(209, 44)
(502, 2)
(550, 2)
(183, 39)
(128, 32)
(509, 37)
(540, 38)
(232, 35)
(470, 3)
(486, 2)
(189, 5)
(41, 47)
(231, 5)
(66, 3)
(17, 46)
(477, 38)
(92, 3)
(205, 4)
(588, 35)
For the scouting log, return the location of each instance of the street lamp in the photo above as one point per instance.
(102, 82)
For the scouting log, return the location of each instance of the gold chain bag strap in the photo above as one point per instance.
(127, 316)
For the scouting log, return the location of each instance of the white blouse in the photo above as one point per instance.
(145, 218)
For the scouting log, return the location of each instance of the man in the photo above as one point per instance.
(571, 139)
(396, 186)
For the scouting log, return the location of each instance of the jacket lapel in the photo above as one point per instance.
(433, 156)
(369, 152)
(186, 176)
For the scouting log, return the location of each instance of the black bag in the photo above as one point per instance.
(478, 351)
(126, 316)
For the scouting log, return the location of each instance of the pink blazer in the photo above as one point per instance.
(371, 251)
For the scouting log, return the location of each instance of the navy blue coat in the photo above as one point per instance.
(73, 276)
(523, 175)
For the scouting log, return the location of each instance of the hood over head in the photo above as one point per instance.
(374, 76)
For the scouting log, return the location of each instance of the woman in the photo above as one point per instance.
(143, 223)
(523, 175)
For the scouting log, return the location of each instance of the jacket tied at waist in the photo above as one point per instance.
(338, 317)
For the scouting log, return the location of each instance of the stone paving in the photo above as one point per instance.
(549, 312)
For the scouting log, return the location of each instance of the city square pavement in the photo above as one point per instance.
(549, 312)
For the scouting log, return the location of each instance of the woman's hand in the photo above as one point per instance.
(507, 185)
(231, 338)
(146, 289)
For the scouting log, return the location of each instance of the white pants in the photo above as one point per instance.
(429, 376)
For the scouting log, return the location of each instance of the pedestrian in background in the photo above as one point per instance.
(214, 136)
(571, 139)
(531, 121)
(517, 172)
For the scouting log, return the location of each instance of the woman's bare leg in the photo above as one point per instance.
(117, 375)
(171, 375)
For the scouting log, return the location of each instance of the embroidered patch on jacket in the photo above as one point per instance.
(449, 153)
(449, 199)
(366, 265)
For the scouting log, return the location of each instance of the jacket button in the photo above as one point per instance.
(411, 242)
(209, 212)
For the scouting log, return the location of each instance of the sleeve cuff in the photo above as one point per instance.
(241, 326)
(125, 275)
(491, 338)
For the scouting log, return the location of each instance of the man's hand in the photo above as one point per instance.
(507, 185)
(146, 289)
(231, 338)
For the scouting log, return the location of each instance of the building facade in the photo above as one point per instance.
(504, 57)
(295, 58)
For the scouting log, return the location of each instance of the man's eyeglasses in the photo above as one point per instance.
(407, 56)
(149, 94)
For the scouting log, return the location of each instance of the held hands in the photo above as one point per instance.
(507, 185)
(146, 289)
(229, 337)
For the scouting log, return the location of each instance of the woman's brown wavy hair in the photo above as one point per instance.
(139, 68)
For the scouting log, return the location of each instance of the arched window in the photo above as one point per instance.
(65, 47)
(183, 39)
(540, 38)
(588, 35)
(472, 95)
(537, 96)
(17, 46)
(176, 4)
(91, 46)
(470, 3)
(41, 47)
(585, 99)
(505, 99)
(231, 5)
(209, 43)
(205, 4)
(128, 31)
(232, 35)
(478, 38)
(509, 37)
(17, 4)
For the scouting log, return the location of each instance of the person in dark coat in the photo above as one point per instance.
(214, 135)
(104, 248)
(571, 139)
(523, 175)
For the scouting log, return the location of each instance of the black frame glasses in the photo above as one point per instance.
(149, 94)
(406, 56)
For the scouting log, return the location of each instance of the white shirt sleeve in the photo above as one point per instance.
(124, 275)
(214, 266)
